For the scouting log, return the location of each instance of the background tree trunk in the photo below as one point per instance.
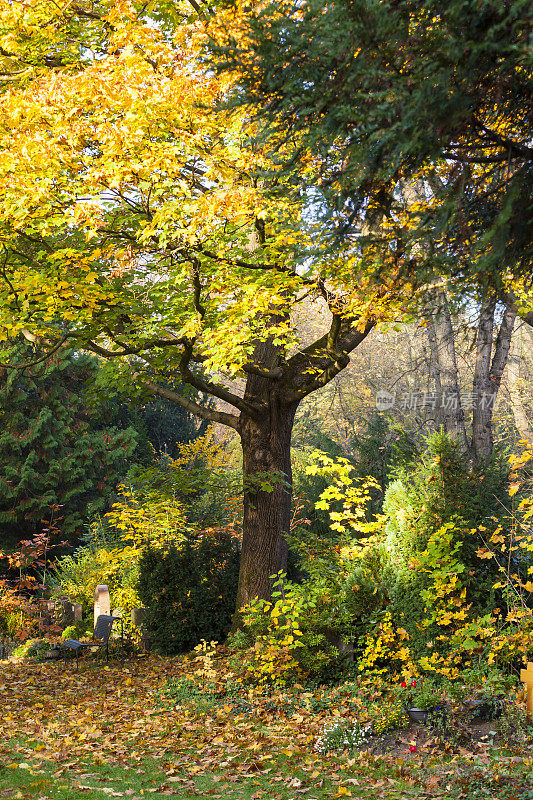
(442, 347)
(515, 388)
(488, 375)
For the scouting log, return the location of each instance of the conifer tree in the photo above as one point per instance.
(58, 459)
(365, 97)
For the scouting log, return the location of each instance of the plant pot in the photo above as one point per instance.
(417, 714)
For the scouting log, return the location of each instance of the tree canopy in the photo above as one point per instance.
(136, 223)
(375, 96)
(145, 219)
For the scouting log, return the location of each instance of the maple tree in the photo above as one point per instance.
(135, 224)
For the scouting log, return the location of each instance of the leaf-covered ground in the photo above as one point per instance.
(116, 731)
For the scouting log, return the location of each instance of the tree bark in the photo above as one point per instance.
(488, 375)
(267, 479)
(521, 420)
(442, 346)
(434, 366)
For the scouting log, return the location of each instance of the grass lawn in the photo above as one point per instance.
(114, 732)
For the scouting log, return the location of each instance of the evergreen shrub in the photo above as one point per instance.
(189, 591)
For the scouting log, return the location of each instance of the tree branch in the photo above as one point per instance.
(272, 374)
(211, 415)
(511, 300)
(238, 262)
(131, 351)
(316, 365)
(211, 388)
(39, 360)
(502, 345)
(520, 149)
(500, 159)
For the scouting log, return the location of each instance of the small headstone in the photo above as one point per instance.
(67, 613)
(52, 655)
(77, 609)
(102, 602)
(48, 617)
(335, 639)
(138, 617)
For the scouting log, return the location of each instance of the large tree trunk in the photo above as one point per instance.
(267, 477)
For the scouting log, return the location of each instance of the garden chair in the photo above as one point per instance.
(101, 636)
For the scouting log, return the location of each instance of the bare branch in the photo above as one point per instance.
(211, 415)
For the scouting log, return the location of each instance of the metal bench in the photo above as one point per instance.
(101, 636)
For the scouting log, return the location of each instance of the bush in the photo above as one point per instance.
(439, 492)
(289, 642)
(33, 648)
(189, 591)
(117, 567)
(78, 631)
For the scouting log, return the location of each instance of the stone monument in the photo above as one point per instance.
(102, 602)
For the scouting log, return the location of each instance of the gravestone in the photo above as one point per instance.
(526, 676)
(52, 655)
(102, 602)
(77, 609)
(138, 618)
(345, 649)
(49, 613)
(67, 613)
